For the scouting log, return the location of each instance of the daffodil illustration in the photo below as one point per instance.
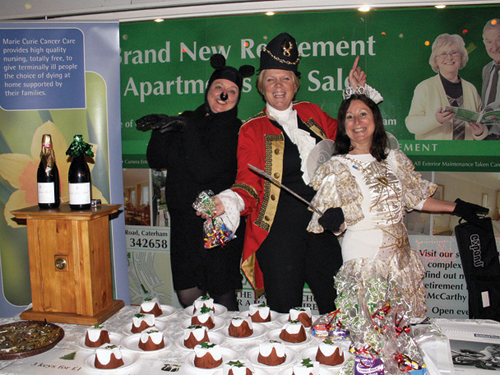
(20, 171)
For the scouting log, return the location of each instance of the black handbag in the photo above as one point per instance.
(481, 267)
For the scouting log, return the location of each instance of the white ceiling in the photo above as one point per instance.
(139, 10)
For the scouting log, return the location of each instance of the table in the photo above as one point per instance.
(50, 362)
(70, 264)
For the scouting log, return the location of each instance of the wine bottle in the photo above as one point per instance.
(79, 182)
(47, 176)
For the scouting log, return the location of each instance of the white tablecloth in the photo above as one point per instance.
(152, 363)
(463, 334)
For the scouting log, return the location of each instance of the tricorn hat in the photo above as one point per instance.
(281, 53)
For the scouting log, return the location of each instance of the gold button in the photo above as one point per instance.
(266, 218)
(276, 175)
(277, 151)
(273, 197)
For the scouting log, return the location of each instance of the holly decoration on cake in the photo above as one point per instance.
(328, 342)
(207, 345)
(307, 362)
(236, 363)
(205, 309)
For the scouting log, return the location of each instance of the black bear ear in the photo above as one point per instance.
(247, 70)
(217, 61)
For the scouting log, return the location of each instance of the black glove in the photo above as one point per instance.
(332, 219)
(469, 211)
(160, 122)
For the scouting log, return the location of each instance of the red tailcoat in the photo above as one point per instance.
(261, 144)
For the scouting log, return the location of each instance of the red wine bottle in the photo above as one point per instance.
(47, 176)
(79, 182)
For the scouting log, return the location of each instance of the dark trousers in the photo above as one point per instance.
(290, 256)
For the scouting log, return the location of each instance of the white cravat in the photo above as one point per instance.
(301, 138)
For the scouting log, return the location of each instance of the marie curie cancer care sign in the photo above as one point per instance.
(42, 69)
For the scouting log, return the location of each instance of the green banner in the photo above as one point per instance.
(165, 66)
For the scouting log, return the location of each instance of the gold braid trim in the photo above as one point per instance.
(248, 267)
(249, 189)
(274, 149)
(315, 128)
(258, 115)
(264, 49)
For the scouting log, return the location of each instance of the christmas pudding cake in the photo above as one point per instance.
(151, 340)
(96, 336)
(108, 357)
(151, 306)
(329, 353)
(237, 368)
(204, 301)
(271, 353)
(293, 332)
(259, 313)
(194, 335)
(140, 322)
(240, 327)
(203, 317)
(207, 355)
(302, 314)
(306, 367)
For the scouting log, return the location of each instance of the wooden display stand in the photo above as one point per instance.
(70, 264)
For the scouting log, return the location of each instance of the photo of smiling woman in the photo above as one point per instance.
(428, 118)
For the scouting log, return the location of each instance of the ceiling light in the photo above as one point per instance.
(440, 6)
(364, 8)
(270, 13)
(159, 20)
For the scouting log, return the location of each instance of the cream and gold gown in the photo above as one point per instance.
(373, 196)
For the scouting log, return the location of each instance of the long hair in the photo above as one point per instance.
(380, 141)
